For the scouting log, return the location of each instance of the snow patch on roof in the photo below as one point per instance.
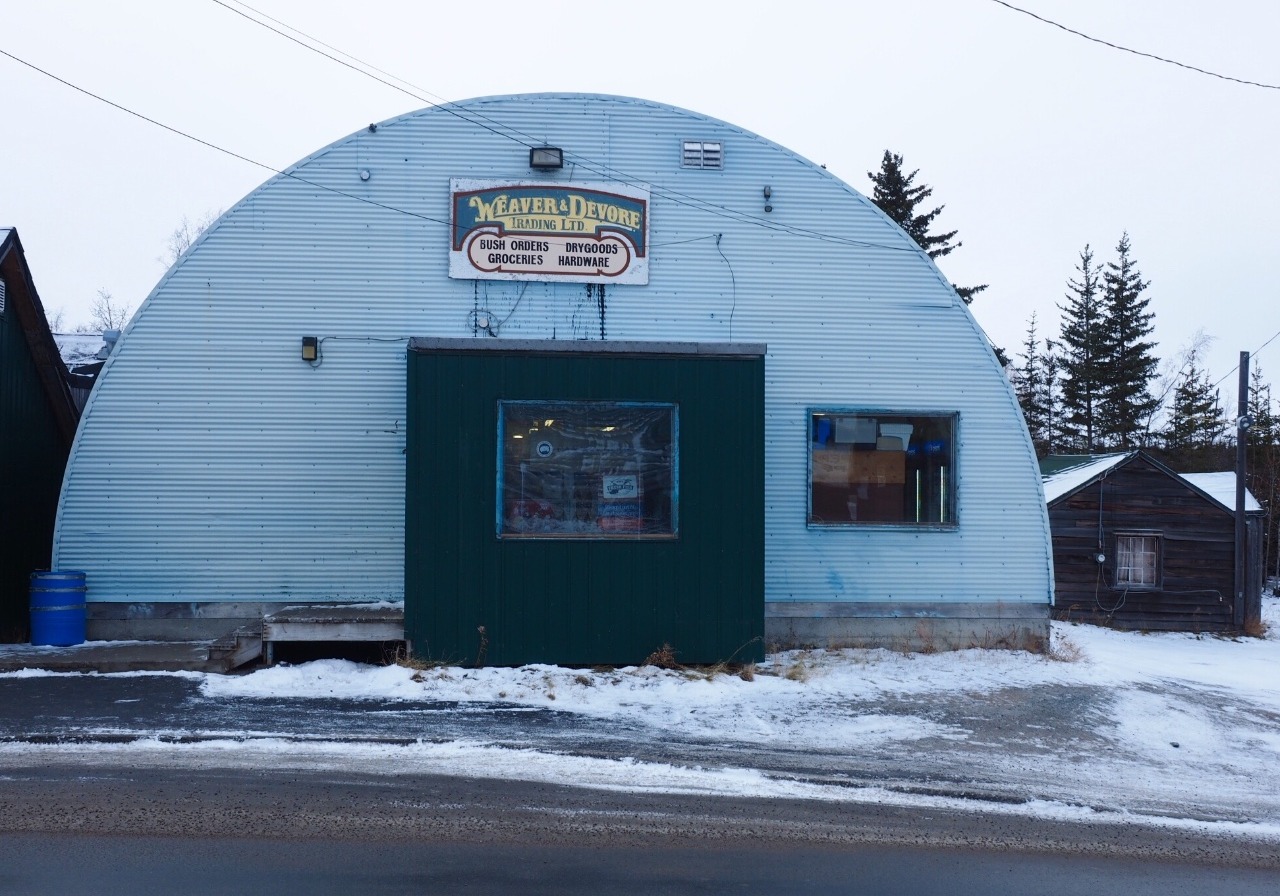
(78, 348)
(1222, 488)
(1069, 480)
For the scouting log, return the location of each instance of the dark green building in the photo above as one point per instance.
(37, 424)
(626, 513)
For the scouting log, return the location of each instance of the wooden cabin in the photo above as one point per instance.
(38, 417)
(1139, 546)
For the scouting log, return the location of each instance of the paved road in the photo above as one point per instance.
(79, 816)
(1010, 755)
(74, 829)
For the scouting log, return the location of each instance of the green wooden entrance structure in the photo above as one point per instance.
(584, 503)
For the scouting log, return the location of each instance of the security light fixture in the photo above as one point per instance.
(310, 348)
(546, 157)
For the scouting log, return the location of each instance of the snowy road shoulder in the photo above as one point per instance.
(1170, 726)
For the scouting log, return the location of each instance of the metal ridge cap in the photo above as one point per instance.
(586, 346)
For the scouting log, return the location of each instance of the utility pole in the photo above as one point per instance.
(1242, 444)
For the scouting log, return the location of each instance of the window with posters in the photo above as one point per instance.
(587, 469)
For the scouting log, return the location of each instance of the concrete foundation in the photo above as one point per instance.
(917, 627)
(209, 620)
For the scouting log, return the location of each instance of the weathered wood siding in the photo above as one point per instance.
(1196, 586)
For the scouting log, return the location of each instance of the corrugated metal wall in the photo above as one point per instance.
(213, 464)
(584, 601)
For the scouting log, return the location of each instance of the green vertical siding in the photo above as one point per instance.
(583, 602)
(32, 457)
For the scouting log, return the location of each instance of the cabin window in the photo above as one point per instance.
(882, 468)
(582, 469)
(1138, 559)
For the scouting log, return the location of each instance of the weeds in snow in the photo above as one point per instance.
(662, 658)
(1062, 649)
(1256, 628)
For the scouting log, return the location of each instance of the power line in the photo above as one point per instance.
(216, 147)
(475, 117)
(1123, 49)
(707, 207)
(114, 105)
(1254, 352)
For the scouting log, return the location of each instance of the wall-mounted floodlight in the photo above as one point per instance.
(546, 157)
(310, 348)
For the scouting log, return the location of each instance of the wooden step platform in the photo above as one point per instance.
(332, 622)
(307, 622)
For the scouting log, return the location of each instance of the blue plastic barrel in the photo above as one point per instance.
(57, 608)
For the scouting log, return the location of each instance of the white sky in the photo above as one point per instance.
(1183, 727)
(1036, 141)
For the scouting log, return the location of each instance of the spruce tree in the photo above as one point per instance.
(1051, 363)
(1035, 384)
(1081, 356)
(1264, 464)
(897, 195)
(1128, 364)
(1195, 416)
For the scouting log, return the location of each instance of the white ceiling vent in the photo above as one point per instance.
(702, 154)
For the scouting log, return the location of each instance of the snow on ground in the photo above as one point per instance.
(1110, 726)
(796, 696)
(1165, 725)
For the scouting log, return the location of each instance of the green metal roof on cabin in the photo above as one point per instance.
(1057, 463)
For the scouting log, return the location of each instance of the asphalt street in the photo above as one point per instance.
(67, 789)
(78, 826)
(1003, 760)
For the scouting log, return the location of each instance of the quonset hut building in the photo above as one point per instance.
(572, 376)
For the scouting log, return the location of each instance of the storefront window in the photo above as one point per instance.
(587, 469)
(881, 468)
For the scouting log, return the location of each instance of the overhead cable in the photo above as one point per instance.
(1255, 351)
(475, 117)
(1123, 49)
(216, 147)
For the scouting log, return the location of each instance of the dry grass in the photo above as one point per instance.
(417, 663)
(710, 672)
(797, 671)
(1062, 649)
(1256, 628)
(662, 658)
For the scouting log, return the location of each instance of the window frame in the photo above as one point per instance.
(703, 154)
(1158, 564)
(549, 405)
(951, 524)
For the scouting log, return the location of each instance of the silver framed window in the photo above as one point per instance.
(878, 467)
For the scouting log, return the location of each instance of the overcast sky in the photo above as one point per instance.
(1037, 141)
